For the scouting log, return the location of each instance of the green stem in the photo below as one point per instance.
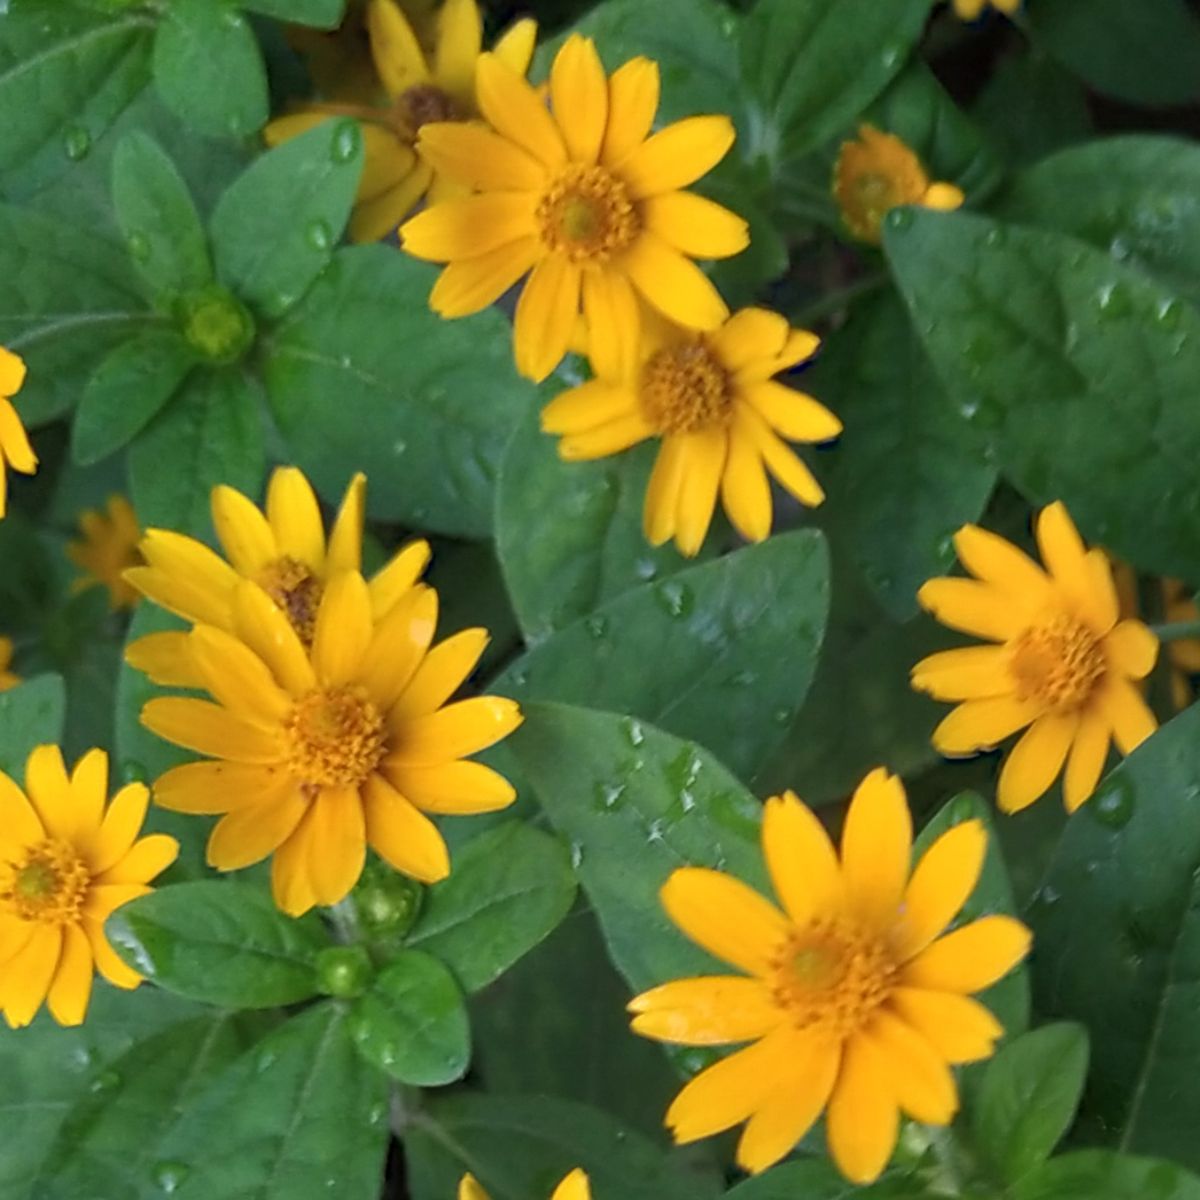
(1176, 631)
(835, 302)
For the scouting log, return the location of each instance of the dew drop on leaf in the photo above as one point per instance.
(318, 234)
(76, 142)
(1113, 806)
(899, 219)
(138, 246)
(346, 140)
(169, 1175)
(675, 598)
(596, 625)
(105, 1082)
(634, 731)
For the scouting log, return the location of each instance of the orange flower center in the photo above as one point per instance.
(425, 104)
(684, 389)
(874, 195)
(1058, 663)
(48, 885)
(832, 975)
(586, 214)
(297, 590)
(335, 737)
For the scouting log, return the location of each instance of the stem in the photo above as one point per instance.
(834, 302)
(1175, 631)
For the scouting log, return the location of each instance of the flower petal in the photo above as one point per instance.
(236, 677)
(19, 821)
(604, 440)
(379, 216)
(398, 645)
(800, 858)
(781, 460)
(28, 976)
(916, 1075)
(165, 659)
(574, 1187)
(515, 46)
(793, 415)
(673, 284)
(337, 844)
(710, 1010)
(996, 561)
(471, 226)
(263, 626)
(345, 539)
(704, 465)
(118, 973)
(480, 158)
(1035, 761)
(456, 787)
(745, 488)
(960, 1029)
(1061, 547)
(969, 673)
(210, 729)
(982, 724)
(71, 990)
(695, 225)
(587, 406)
(343, 631)
(395, 48)
(974, 608)
(215, 787)
(1132, 649)
(89, 792)
(459, 41)
(1130, 717)
(662, 492)
(863, 1120)
(390, 585)
(146, 858)
(243, 531)
(291, 886)
(119, 829)
(633, 90)
(970, 958)
(610, 307)
(579, 97)
(516, 111)
(677, 155)
(545, 317)
(1089, 751)
(454, 731)
(295, 518)
(404, 838)
(441, 673)
(877, 848)
(49, 791)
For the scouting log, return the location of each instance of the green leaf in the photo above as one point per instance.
(1119, 921)
(128, 389)
(210, 433)
(1137, 197)
(1028, 1097)
(734, 644)
(1147, 54)
(221, 942)
(816, 65)
(913, 463)
(298, 1117)
(522, 1146)
(31, 714)
(412, 1023)
(1035, 333)
(635, 804)
(323, 14)
(1102, 1175)
(65, 76)
(154, 209)
(510, 887)
(270, 253)
(811, 1180)
(108, 1142)
(408, 387)
(208, 68)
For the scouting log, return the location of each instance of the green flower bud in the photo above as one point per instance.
(216, 323)
(344, 971)
(387, 903)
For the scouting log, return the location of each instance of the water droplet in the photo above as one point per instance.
(961, 810)
(782, 716)
(1119, 248)
(138, 246)
(576, 855)
(686, 800)
(743, 679)
(654, 833)
(80, 1058)
(399, 446)
(105, 1082)
(596, 625)
(347, 138)
(944, 549)
(1048, 896)
(76, 142)
(674, 597)
(318, 235)
(1113, 805)
(1114, 301)
(995, 238)
(279, 302)
(608, 795)
(899, 219)
(234, 19)
(519, 678)
(378, 1114)
(890, 55)
(1169, 314)
(133, 771)
(169, 1175)
(634, 731)
(344, 362)
(265, 1060)
(645, 568)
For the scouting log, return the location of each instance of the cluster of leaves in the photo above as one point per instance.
(188, 317)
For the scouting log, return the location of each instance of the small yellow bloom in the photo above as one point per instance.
(108, 547)
(876, 173)
(7, 677)
(582, 198)
(574, 1187)
(712, 400)
(66, 863)
(854, 998)
(15, 450)
(284, 550)
(970, 10)
(419, 89)
(1062, 661)
(321, 753)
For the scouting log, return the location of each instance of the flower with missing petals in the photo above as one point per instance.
(107, 548)
(15, 450)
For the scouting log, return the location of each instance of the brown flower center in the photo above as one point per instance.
(297, 590)
(425, 104)
(335, 737)
(1058, 663)
(49, 884)
(587, 214)
(684, 389)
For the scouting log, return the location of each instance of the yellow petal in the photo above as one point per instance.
(459, 41)
(981, 724)
(695, 225)
(454, 731)
(250, 832)
(242, 530)
(18, 819)
(467, 287)
(72, 987)
(574, 1187)
(165, 658)
(610, 307)
(1061, 547)
(49, 791)
(441, 673)
(725, 916)
(1085, 765)
(710, 1010)
(237, 677)
(295, 518)
(1128, 714)
(677, 155)
(343, 630)
(516, 45)
(107, 963)
(1035, 761)
(996, 561)
(863, 1120)
(662, 492)
(916, 1074)
(210, 729)
(958, 1028)
(1132, 649)
(610, 438)
(404, 838)
(211, 788)
(588, 406)
(480, 158)
(704, 465)
(516, 111)
(792, 414)
(750, 336)
(15, 441)
(470, 227)
(264, 628)
(970, 958)
(290, 884)
(745, 488)
(971, 607)
(29, 975)
(943, 197)
(345, 539)
(185, 577)
(877, 848)
(545, 316)
(147, 858)
(469, 1189)
(389, 585)
(395, 48)
(800, 858)
(632, 103)
(387, 162)
(399, 645)
(673, 284)
(456, 787)
(338, 844)
(970, 673)
(103, 899)
(379, 216)
(12, 373)
(119, 829)
(579, 97)
(1100, 602)
(781, 459)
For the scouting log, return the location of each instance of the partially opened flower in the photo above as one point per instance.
(970, 10)
(1060, 661)
(67, 861)
(877, 172)
(854, 999)
(316, 755)
(283, 549)
(15, 450)
(583, 199)
(8, 678)
(574, 1187)
(418, 88)
(721, 416)
(108, 547)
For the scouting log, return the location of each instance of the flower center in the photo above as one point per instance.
(875, 195)
(832, 975)
(297, 590)
(49, 884)
(335, 737)
(424, 104)
(1058, 663)
(685, 389)
(586, 214)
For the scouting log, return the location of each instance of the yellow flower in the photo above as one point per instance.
(284, 550)
(573, 1187)
(15, 450)
(853, 997)
(108, 547)
(876, 173)
(66, 863)
(1062, 661)
(970, 10)
(8, 679)
(322, 753)
(582, 198)
(419, 89)
(712, 400)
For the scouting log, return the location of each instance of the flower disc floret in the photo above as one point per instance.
(335, 737)
(586, 214)
(1058, 663)
(685, 388)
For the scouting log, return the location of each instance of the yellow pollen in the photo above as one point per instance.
(586, 214)
(424, 104)
(294, 587)
(48, 885)
(1058, 663)
(335, 737)
(833, 976)
(875, 196)
(685, 389)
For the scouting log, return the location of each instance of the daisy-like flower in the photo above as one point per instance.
(854, 999)
(108, 547)
(876, 172)
(417, 89)
(574, 1187)
(971, 10)
(66, 863)
(320, 753)
(1061, 661)
(283, 549)
(713, 401)
(582, 197)
(8, 679)
(15, 451)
